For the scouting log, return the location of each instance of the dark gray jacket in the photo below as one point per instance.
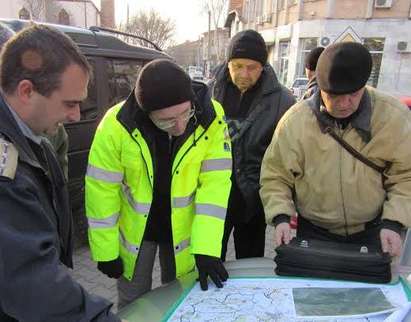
(249, 146)
(312, 87)
(36, 237)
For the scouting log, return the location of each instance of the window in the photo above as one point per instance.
(283, 56)
(24, 14)
(376, 48)
(306, 45)
(122, 76)
(88, 108)
(64, 17)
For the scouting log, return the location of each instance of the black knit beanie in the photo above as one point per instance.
(248, 44)
(312, 58)
(343, 68)
(160, 84)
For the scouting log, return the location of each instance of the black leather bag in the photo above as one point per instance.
(323, 259)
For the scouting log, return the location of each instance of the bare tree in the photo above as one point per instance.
(216, 9)
(42, 9)
(35, 7)
(52, 10)
(151, 26)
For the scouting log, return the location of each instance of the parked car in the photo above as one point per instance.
(116, 65)
(299, 87)
(198, 76)
(195, 73)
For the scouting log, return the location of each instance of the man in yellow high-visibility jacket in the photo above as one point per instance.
(159, 177)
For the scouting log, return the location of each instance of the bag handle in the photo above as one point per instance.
(353, 151)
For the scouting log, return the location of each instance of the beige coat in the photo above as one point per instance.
(333, 189)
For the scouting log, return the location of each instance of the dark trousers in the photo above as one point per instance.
(249, 237)
(370, 236)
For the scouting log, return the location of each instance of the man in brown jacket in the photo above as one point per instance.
(306, 170)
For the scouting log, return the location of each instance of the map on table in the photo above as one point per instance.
(290, 299)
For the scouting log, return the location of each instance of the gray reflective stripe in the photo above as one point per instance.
(104, 175)
(181, 202)
(140, 207)
(108, 222)
(211, 210)
(181, 246)
(216, 164)
(127, 245)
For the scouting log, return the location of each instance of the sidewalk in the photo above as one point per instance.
(86, 273)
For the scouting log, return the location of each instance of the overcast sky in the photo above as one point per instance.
(189, 20)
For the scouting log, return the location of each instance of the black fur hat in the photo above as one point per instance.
(343, 68)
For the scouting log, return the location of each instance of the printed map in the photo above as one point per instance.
(285, 300)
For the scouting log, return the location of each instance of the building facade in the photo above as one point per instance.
(107, 13)
(206, 53)
(291, 28)
(187, 54)
(80, 13)
(213, 48)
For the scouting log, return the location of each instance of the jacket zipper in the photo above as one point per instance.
(340, 133)
(145, 162)
(170, 143)
(188, 149)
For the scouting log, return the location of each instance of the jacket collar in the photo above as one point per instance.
(12, 131)
(312, 82)
(361, 121)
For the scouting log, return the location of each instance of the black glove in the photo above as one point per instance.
(113, 269)
(213, 267)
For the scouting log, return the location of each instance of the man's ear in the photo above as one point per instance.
(25, 91)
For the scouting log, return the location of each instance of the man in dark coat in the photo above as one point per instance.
(253, 101)
(40, 89)
(310, 67)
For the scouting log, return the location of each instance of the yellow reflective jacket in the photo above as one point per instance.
(119, 187)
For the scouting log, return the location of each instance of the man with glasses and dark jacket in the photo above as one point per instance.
(159, 177)
(253, 101)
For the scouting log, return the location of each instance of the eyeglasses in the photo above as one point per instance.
(168, 124)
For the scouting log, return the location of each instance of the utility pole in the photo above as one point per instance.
(127, 20)
(45, 11)
(85, 13)
(128, 13)
(209, 44)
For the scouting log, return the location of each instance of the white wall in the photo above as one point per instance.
(11, 8)
(77, 11)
